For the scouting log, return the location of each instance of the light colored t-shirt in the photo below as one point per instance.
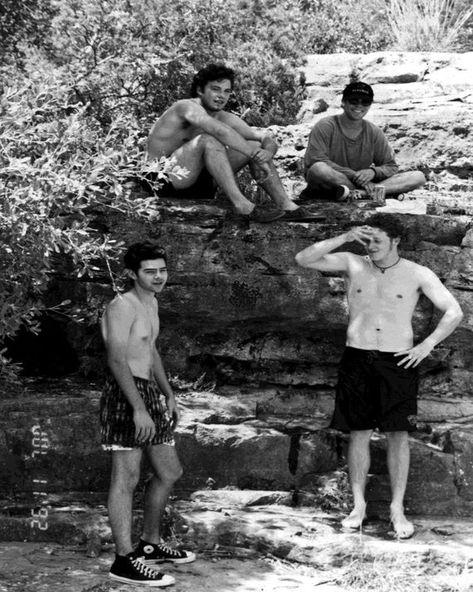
(328, 143)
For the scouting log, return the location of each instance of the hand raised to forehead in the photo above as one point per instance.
(360, 234)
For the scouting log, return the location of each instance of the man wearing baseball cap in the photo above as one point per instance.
(349, 157)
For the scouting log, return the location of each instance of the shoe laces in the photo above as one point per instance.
(144, 569)
(169, 550)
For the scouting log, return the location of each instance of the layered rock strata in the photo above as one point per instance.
(261, 338)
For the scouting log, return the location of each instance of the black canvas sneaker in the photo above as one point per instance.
(151, 554)
(131, 569)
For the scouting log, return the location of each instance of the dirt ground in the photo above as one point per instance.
(375, 565)
(37, 567)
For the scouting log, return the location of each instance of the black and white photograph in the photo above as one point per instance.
(236, 295)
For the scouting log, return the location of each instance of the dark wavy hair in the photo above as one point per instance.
(138, 252)
(391, 226)
(208, 74)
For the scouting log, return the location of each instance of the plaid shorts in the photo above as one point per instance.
(116, 416)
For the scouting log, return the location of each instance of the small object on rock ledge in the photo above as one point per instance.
(444, 530)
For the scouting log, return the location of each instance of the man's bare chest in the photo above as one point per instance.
(145, 329)
(374, 288)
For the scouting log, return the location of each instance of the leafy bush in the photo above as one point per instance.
(21, 23)
(141, 56)
(57, 163)
(356, 26)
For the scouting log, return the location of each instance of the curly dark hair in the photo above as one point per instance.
(208, 74)
(138, 252)
(391, 226)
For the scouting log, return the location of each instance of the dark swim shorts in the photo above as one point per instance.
(204, 187)
(374, 392)
(116, 416)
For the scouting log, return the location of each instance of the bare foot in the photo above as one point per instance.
(355, 519)
(403, 529)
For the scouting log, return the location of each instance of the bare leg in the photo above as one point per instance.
(205, 150)
(124, 478)
(272, 184)
(403, 182)
(358, 466)
(167, 470)
(322, 175)
(398, 466)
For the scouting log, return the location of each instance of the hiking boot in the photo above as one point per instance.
(264, 215)
(131, 569)
(150, 554)
(338, 193)
(301, 215)
(259, 214)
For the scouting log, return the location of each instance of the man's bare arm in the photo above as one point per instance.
(197, 116)
(319, 256)
(163, 383)
(263, 136)
(442, 299)
(119, 319)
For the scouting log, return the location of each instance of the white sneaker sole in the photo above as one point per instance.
(162, 583)
(189, 559)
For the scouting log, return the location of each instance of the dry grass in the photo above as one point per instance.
(427, 25)
(419, 572)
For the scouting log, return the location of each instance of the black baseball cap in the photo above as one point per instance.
(358, 89)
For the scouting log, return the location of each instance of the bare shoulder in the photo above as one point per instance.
(419, 272)
(186, 106)
(123, 305)
(229, 118)
(325, 124)
(356, 263)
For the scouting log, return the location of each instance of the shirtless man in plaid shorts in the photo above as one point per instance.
(377, 382)
(138, 414)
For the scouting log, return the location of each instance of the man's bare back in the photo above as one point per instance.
(381, 305)
(138, 324)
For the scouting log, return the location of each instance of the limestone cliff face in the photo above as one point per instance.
(270, 334)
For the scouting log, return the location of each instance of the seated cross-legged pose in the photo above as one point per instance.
(213, 144)
(347, 157)
(378, 375)
(138, 414)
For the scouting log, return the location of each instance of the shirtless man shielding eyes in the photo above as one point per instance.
(378, 376)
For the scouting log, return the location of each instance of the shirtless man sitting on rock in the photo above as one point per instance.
(212, 145)
(378, 376)
(347, 157)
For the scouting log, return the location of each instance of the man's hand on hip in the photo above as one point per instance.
(414, 356)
